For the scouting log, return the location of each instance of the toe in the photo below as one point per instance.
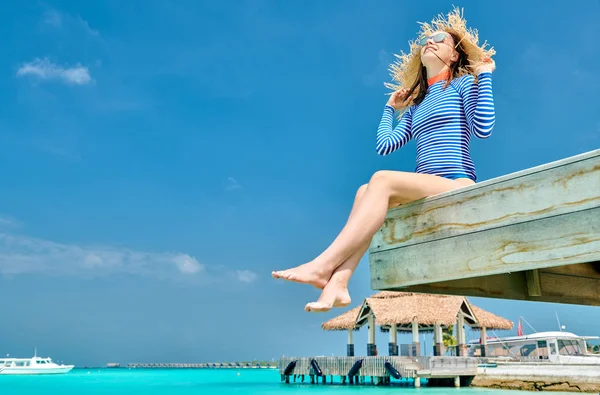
(318, 307)
(280, 274)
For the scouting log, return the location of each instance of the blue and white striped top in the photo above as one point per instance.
(442, 125)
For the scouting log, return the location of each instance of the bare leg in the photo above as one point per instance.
(335, 293)
(307, 272)
(385, 188)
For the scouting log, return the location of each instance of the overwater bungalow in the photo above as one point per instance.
(409, 312)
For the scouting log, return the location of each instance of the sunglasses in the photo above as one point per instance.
(437, 38)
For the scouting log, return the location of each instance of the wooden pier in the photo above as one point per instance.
(533, 235)
(376, 370)
(213, 365)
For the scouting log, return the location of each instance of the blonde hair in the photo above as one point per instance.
(407, 68)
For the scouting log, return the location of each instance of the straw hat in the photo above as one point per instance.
(405, 69)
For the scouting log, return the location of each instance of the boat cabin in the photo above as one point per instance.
(24, 362)
(537, 346)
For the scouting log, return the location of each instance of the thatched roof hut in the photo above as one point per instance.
(343, 322)
(488, 320)
(402, 308)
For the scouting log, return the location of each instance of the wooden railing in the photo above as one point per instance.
(340, 366)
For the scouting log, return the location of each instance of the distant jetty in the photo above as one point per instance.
(214, 365)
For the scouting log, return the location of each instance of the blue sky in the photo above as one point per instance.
(161, 158)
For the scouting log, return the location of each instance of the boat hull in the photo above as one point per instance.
(25, 370)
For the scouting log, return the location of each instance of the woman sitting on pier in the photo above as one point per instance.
(444, 90)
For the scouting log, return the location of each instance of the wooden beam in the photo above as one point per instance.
(545, 191)
(534, 287)
(553, 241)
(466, 312)
(581, 270)
(554, 287)
(527, 225)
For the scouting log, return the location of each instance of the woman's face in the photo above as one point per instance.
(437, 48)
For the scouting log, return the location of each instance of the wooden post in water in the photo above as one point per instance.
(483, 342)
(393, 346)
(371, 342)
(416, 346)
(531, 235)
(350, 346)
(438, 341)
(461, 348)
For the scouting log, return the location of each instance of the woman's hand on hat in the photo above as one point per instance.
(397, 98)
(486, 65)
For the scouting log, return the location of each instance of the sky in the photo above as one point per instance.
(159, 159)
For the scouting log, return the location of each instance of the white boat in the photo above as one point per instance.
(556, 347)
(33, 365)
(554, 360)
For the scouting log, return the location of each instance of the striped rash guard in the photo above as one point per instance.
(442, 125)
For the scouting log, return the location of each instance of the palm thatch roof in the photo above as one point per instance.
(343, 322)
(401, 308)
(490, 320)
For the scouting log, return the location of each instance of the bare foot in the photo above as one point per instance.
(333, 295)
(309, 273)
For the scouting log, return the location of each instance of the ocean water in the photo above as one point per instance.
(125, 381)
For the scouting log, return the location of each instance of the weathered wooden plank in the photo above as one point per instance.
(552, 241)
(581, 270)
(560, 187)
(555, 288)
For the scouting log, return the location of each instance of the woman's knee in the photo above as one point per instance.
(381, 178)
(360, 192)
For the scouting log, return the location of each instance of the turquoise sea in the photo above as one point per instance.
(125, 381)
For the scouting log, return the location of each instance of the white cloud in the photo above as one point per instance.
(63, 20)
(232, 184)
(86, 26)
(7, 221)
(379, 71)
(53, 18)
(46, 70)
(246, 276)
(188, 264)
(27, 255)
(23, 254)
